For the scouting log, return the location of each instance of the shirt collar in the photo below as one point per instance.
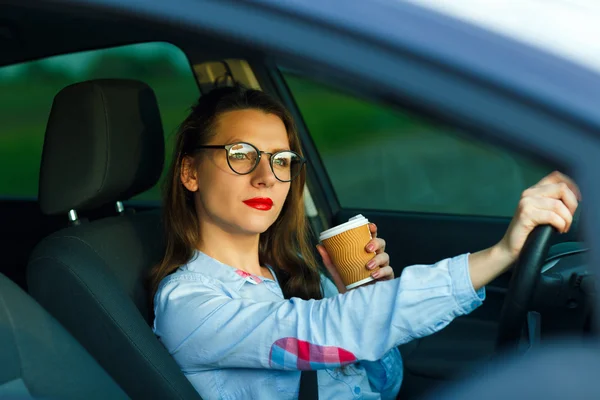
(212, 267)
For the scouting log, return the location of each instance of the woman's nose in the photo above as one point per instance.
(263, 175)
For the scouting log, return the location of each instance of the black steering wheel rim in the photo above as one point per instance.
(525, 277)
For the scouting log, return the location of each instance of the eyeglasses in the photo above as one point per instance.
(243, 158)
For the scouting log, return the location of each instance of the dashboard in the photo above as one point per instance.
(566, 290)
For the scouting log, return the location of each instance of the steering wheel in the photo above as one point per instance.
(526, 275)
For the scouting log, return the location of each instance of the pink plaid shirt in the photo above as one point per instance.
(235, 336)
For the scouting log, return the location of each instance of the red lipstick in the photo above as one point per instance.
(260, 203)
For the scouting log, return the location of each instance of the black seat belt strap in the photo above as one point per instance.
(309, 386)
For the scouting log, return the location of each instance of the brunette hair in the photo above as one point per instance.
(284, 246)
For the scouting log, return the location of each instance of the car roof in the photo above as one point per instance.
(566, 28)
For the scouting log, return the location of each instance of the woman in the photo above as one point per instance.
(239, 301)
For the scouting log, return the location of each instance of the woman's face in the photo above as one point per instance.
(238, 204)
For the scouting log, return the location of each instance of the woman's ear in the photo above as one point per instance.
(189, 175)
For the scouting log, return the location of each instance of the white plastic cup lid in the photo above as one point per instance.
(354, 222)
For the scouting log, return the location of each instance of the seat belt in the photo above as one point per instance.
(309, 386)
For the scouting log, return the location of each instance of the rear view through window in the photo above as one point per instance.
(27, 91)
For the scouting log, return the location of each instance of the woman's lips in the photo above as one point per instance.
(260, 203)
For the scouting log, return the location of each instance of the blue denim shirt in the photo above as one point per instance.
(235, 336)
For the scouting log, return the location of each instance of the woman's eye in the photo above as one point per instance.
(238, 156)
(281, 162)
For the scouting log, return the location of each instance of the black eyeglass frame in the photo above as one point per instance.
(228, 147)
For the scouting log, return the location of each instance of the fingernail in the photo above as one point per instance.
(375, 274)
(371, 247)
(371, 264)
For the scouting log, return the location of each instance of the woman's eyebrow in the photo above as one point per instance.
(280, 149)
(272, 150)
(234, 140)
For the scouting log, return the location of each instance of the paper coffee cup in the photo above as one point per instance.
(345, 245)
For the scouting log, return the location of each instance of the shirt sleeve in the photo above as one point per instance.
(385, 374)
(207, 327)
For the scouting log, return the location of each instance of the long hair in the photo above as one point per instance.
(285, 244)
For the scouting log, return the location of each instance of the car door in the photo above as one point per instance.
(433, 192)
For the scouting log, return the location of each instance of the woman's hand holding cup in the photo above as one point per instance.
(379, 265)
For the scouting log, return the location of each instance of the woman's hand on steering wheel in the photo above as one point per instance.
(549, 204)
(552, 201)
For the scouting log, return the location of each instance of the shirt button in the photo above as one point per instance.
(357, 390)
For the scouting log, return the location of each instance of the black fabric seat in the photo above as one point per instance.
(40, 359)
(104, 143)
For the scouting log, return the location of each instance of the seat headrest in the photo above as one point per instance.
(104, 143)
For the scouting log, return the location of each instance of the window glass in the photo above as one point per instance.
(27, 91)
(387, 159)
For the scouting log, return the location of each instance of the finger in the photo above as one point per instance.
(554, 206)
(380, 260)
(376, 245)
(546, 217)
(384, 274)
(558, 177)
(337, 279)
(559, 191)
(324, 255)
(531, 215)
(373, 229)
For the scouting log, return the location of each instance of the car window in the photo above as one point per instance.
(27, 91)
(383, 158)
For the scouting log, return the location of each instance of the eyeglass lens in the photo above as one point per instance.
(243, 157)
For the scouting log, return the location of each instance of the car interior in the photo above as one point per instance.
(53, 365)
(75, 317)
(91, 276)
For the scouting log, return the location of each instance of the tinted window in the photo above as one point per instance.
(387, 159)
(27, 91)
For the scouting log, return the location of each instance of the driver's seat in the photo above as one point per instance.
(104, 143)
